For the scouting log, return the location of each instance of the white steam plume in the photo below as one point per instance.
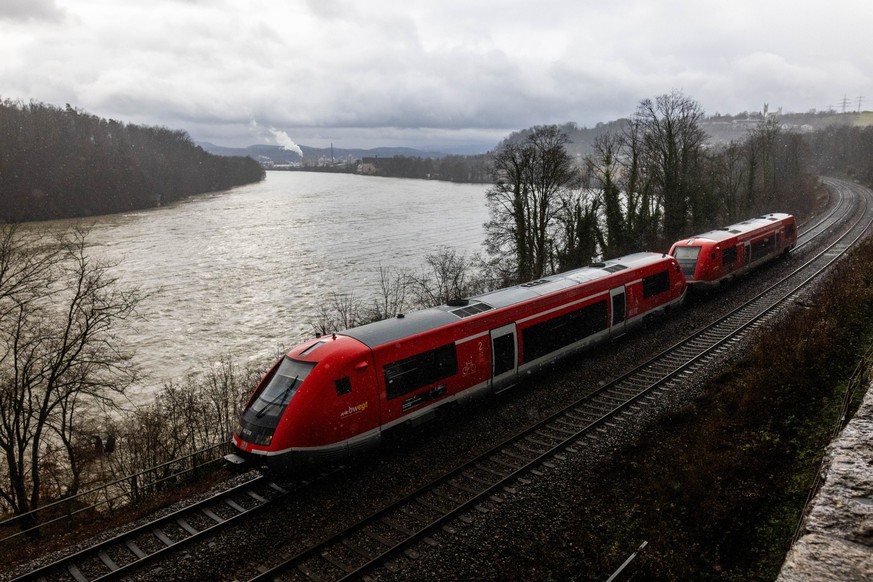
(286, 142)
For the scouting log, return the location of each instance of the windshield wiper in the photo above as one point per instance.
(279, 398)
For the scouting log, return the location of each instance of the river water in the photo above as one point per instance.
(241, 272)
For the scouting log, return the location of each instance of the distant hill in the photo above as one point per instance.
(726, 128)
(280, 155)
(720, 129)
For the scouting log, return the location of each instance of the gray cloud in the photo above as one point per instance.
(30, 10)
(424, 73)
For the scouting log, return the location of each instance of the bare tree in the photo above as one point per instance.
(507, 230)
(578, 221)
(761, 155)
(61, 362)
(530, 173)
(673, 144)
(606, 169)
(447, 279)
(730, 173)
(643, 208)
(187, 416)
(392, 296)
(225, 389)
(344, 311)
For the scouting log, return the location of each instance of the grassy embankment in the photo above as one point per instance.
(864, 119)
(717, 489)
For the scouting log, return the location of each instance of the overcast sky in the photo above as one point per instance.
(426, 73)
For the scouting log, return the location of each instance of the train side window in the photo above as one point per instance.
(408, 374)
(655, 284)
(729, 256)
(763, 247)
(343, 386)
(561, 331)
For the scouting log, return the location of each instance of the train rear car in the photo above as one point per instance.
(719, 255)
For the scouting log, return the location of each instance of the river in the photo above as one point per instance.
(241, 272)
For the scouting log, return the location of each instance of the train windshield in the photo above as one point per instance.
(687, 259)
(282, 386)
(259, 421)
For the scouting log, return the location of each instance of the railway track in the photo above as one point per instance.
(394, 531)
(391, 535)
(115, 557)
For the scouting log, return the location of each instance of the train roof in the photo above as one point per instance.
(722, 234)
(389, 330)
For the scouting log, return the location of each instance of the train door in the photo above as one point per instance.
(747, 253)
(504, 357)
(619, 311)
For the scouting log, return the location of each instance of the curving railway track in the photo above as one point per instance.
(391, 535)
(386, 538)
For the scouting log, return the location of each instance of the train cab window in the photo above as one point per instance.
(280, 388)
(789, 230)
(687, 259)
(259, 421)
(408, 374)
(659, 282)
(729, 256)
(343, 386)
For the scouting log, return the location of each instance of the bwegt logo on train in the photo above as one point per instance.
(354, 410)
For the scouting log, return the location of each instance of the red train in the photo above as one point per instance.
(720, 255)
(333, 396)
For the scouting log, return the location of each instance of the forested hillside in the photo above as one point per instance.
(61, 163)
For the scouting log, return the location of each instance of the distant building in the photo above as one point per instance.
(368, 167)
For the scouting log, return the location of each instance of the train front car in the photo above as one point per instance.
(318, 405)
(720, 255)
(331, 397)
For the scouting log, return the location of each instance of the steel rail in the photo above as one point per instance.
(116, 556)
(117, 484)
